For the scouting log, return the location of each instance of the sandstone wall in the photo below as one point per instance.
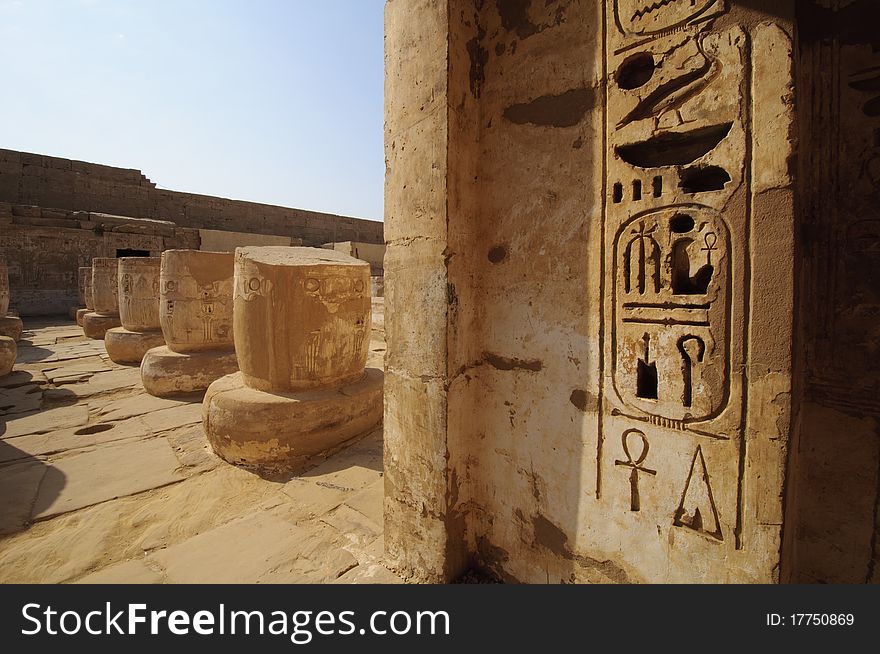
(372, 253)
(591, 268)
(835, 495)
(213, 240)
(33, 179)
(43, 249)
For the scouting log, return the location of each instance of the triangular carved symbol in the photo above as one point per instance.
(696, 510)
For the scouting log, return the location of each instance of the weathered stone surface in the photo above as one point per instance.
(113, 471)
(127, 347)
(174, 417)
(105, 288)
(613, 399)
(8, 352)
(100, 384)
(96, 325)
(165, 372)
(11, 327)
(195, 312)
(333, 507)
(138, 292)
(302, 327)
(83, 286)
(129, 572)
(80, 313)
(259, 549)
(88, 297)
(69, 185)
(137, 405)
(20, 399)
(195, 309)
(4, 288)
(284, 429)
(21, 378)
(302, 317)
(19, 486)
(67, 440)
(45, 421)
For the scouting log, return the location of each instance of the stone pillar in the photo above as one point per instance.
(302, 330)
(105, 298)
(84, 282)
(138, 291)
(424, 536)
(10, 326)
(195, 313)
(90, 304)
(602, 232)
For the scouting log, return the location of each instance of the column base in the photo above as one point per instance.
(283, 431)
(96, 325)
(79, 315)
(73, 311)
(125, 346)
(165, 372)
(8, 352)
(11, 326)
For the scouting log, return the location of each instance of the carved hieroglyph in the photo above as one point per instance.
(139, 293)
(196, 300)
(105, 292)
(677, 220)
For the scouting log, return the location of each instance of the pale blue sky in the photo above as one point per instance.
(276, 101)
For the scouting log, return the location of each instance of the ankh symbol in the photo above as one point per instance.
(710, 239)
(635, 464)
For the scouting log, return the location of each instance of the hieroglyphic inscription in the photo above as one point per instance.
(634, 463)
(697, 509)
(196, 303)
(676, 226)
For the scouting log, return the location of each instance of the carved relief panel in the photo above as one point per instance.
(676, 266)
(139, 293)
(670, 331)
(195, 309)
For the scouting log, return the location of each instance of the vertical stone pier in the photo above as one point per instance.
(302, 331)
(627, 307)
(195, 313)
(10, 326)
(138, 279)
(84, 291)
(105, 298)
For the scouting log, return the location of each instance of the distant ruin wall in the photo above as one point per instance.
(44, 248)
(33, 179)
(214, 240)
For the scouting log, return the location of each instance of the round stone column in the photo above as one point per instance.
(104, 299)
(84, 280)
(10, 326)
(138, 292)
(8, 352)
(195, 313)
(302, 330)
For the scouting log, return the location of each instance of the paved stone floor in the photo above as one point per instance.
(100, 482)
